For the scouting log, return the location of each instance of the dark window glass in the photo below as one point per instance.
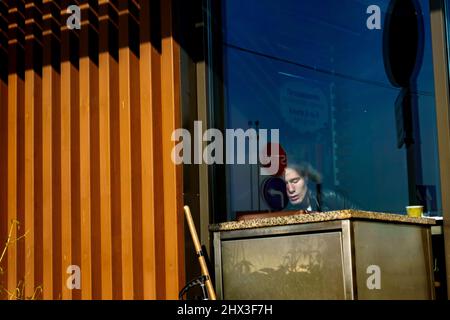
(315, 71)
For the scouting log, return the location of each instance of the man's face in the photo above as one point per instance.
(295, 186)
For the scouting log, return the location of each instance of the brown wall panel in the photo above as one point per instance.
(3, 139)
(33, 101)
(136, 151)
(126, 67)
(71, 53)
(16, 105)
(4, 174)
(88, 114)
(86, 118)
(4, 179)
(14, 86)
(50, 105)
(149, 60)
(38, 244)
(50, 77)
(172, 184)
(108, 96)
(69, 102)
(131, 171)
(116, 206)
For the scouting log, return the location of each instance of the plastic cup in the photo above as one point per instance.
(414, 211)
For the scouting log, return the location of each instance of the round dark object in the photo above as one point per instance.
(274, 193)
(403, 41)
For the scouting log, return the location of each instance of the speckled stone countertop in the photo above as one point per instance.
(318, 217)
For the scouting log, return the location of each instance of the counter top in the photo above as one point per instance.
(301, 217)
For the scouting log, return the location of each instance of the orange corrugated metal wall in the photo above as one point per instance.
(86, 118)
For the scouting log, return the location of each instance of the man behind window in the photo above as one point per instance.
(301, 197)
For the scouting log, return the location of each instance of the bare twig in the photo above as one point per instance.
(19, 292)
(8, 241)
(38, 288)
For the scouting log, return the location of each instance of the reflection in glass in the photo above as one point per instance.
(314, 71)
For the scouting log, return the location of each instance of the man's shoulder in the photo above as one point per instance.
(333, 200)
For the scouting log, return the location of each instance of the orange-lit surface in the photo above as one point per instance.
(85, 167)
